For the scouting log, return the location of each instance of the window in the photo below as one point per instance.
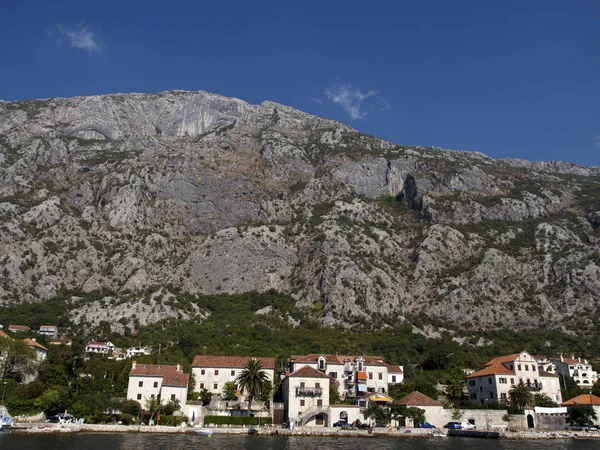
(302, 384)
(152, 396)
(333, 374)
(471, 382)
(201, 385)
(301, 402)
(527, 367)
(512, 381)
(393, 378)
(533, 368)
(141, 384)
(321, 363)
(216, 372)
(317, 385)
(370, 375)
(511, 367)
(491, 395)
(380, 376)
(202, 372)
(518, 366)
(139, 396)
(172, 396)
(489, 381)
(503, 396)
(319, 402)
(233, 373)
(156, 384)
(480, 388)
(502, 380)
(216, 386)
(473, 396)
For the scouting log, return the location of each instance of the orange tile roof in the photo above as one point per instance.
(583, 399)
(169, 374)
(32, 343)
(234, 362)
(308, 372)
(394, 369)
(495, 369)
(18, 328)
(568, 360)
(417, 399)
(4, 335)
(503, 359)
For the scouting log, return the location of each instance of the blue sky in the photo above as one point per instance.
(510, 79)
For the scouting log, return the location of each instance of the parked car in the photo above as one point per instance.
(453, 425)
(341, 423)
(575, 428)
(467, 426)
(253, 432)
(425, 425)
(61, 418)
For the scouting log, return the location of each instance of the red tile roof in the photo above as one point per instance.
(495, 369)
(32, 343)
(308, 372)
(568, 360)
(583, 399)
(169, 374)
(417, 399)
(4, 335)
(548, 374)
(234, 362)
(18, 328)
(503, 359)
(394, 369)
(97, 344)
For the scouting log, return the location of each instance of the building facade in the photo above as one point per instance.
(306, 397)
(578, 369)
(167, 383)
(493, 383)
(49, 330)
(212, 372)
(354, 376)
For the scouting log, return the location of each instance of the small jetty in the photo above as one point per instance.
(475, 434)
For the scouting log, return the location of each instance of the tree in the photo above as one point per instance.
(543, 400)
(334, 395)
(520, 396)
(252, 381)
(205, 395)
(53, 400)
(170, 407)
(378, 413)
(581, 415)
(17, 358)
(596, 389)
(230, 391)
(153, 405)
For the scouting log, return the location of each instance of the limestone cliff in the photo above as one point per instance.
(213, 195)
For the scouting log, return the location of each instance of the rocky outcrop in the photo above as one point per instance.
(207, 194)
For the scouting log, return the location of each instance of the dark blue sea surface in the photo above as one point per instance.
(100, 441)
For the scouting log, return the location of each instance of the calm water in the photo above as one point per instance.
(91, 441)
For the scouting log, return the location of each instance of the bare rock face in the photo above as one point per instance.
(135, 192)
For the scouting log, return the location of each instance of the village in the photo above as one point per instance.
(333, 390)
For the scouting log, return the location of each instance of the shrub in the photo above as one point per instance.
(239, 421)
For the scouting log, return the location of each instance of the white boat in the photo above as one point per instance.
(6, 422)
(203, 432)
(439, 433)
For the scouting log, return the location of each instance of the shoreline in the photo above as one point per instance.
(408, 433)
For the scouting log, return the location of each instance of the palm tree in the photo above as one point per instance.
(252, 381)
(520, 395)
(543, 400)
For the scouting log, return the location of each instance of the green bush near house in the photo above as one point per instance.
(239, 421)
(172, 421)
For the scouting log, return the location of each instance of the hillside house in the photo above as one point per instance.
(40, 351)
(157, 381)
(580, 370)
(18, 328)
(103, 348)
(49, 330)
(493, 383)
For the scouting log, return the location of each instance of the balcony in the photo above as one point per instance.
(306, 390)
(534, 386)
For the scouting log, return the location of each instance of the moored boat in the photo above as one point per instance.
(203, 432)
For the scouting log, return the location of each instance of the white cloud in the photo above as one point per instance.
(318, 101)
(80, 37)
(356, 103)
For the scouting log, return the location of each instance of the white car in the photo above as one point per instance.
(467, 426)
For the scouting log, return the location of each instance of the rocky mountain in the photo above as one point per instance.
(137, 195)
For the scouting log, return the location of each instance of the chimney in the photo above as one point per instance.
(178, 368)
(133, 364)
(561, 358)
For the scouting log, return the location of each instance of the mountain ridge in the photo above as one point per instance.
(213, 195)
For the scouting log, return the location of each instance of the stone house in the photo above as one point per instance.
(157, 381)
(586, 399)
(493, 382)
(306, 397)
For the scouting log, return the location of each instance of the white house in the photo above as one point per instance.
(395, 374)
(104, 348)
(49, 330)
(354, 376)
(586, 399)
(580, 370)
(493, 382)
(138, 351)
(306, 397)
(157, 381)
(212, 372)
(40, 351)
